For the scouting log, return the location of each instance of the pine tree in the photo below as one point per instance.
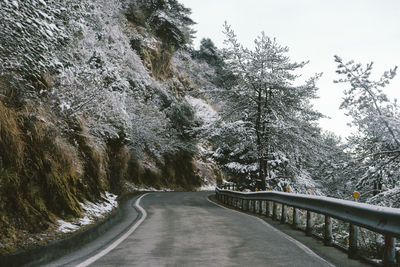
(168, 19)
(276, 114)
(376, 145)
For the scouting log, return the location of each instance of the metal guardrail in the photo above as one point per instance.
(378, 219)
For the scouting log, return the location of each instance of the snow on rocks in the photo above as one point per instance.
(15, 4)
(132, 187)
(208, 187)
(203, 110)
(92, 212)
(66, 227)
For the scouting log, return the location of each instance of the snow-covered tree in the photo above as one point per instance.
(334, 168)
(168, 19)
(272, 110)
(376, 145)
(67, 55)
(31, 32)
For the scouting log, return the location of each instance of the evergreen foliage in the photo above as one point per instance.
(375, 147)
(273, 114)
(168, 19)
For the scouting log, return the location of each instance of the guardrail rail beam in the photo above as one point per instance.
(383, 220)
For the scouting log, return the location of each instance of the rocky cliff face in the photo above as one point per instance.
(91, 101)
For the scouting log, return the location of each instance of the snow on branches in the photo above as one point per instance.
(277, 118)
(376, 146)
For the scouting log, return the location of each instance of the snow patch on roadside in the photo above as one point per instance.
(132, 187)
(66, 227)
(207, 187)
(91, 211)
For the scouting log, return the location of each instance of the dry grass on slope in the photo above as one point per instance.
(44, 174)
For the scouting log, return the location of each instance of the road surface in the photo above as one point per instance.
(186, 229)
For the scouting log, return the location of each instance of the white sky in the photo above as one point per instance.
(315, 30)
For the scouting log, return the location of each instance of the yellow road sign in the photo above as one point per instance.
(356, 194)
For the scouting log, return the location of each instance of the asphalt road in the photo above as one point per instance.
(185, 229)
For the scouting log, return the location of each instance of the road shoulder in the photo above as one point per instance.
(63, 251)
(331, 254)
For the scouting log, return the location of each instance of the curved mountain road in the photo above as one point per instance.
(186, 229)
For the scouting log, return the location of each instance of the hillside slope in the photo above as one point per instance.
(91, 102)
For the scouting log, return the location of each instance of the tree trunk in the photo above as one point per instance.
(260, 147)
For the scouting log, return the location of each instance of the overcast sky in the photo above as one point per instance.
(315, 30)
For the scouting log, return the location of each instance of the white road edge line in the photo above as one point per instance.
(119, 240)
(297, 243)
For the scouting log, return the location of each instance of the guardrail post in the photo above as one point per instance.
(389, 255)
(295, 224)
(275, 211)
(260, 207)
(328, 239)
(244, 204)
(309, 224)
(284, 214)
(267, 208)
(353, 242)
